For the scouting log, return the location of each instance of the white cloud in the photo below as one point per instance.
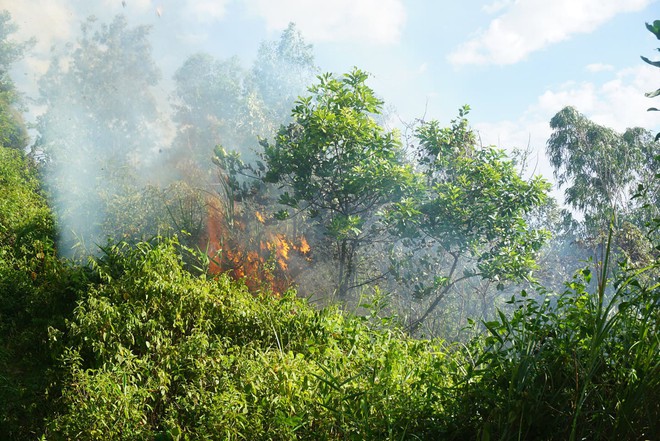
(598, 67)
(496, 6)
(377, 21)
(618, 103)
(207, 10)
(530, 25)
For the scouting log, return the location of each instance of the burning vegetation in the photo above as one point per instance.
(428, 234)
(243, 245)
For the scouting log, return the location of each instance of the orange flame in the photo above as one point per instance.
(241, 242)
(246, 251)
(304, 246)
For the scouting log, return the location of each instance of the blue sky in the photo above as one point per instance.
(515, 62)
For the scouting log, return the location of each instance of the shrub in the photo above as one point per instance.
(37, 291)
(157, 352)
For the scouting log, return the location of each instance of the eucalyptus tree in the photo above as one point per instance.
(467, 221)
(338, 166)
(602, 170)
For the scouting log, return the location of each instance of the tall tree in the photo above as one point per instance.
(601, 170)
(281, 72)
(217, 102)
(338, 166)
(208, 101)
(100, 124)
(103, 94)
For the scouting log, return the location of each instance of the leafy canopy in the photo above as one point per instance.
(469, 217)
(601, 168)
(12, 128)
(334, 160)
(336, 164)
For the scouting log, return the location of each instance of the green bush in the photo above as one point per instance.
(155, 352)
(143, 344)
(578, 365)
(37, 292)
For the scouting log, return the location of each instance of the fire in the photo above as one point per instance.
(283, 246)
(304, 246)
(246, 250)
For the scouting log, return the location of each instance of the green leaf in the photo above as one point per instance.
(655, 93)
(654, 28)
(652, 63)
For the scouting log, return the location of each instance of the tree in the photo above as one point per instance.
(37, 292)
(100, 125)
(281, 72)
(337, 165)
(12, 128)
(468, 220)
(601, 170)
(216, 102)
(655, 30)
(208, 101)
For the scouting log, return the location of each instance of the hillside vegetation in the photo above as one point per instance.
(142, 344)
(270, 260)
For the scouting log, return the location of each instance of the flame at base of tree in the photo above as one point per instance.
(242, 244)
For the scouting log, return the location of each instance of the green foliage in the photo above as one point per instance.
(24, 216)
(281, 72)
(469, 218)
(209, 102)
(37, 292)
(578, 356)
(338, 165)
(137, 347)
(12, 128)
(13, 132)
(595, 162)
(654, 28)
(99, 126)
(217, 102)
(156, 352)
(601, 170)
(153, 352)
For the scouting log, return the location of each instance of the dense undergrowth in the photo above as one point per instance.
(142, 344)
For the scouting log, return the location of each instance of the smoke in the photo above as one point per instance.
(126, 104)
(130, 100)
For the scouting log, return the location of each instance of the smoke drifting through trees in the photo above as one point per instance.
(446, 223)
(101, 126)
(106, 138)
